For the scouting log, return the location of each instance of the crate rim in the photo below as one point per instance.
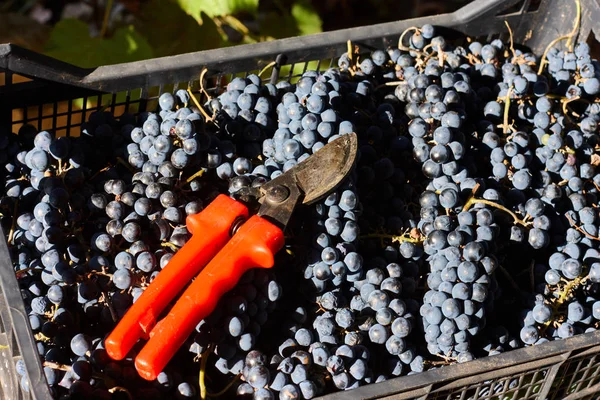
(556, 348)
(106, 78)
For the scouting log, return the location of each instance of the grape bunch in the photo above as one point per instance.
(468, 226)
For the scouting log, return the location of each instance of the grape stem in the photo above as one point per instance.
(207, 117)
(67, 368)
(226, 388)
(202, 73)
(349, 48)
(512, 44)
(99, 172)
(11, 233)
(441, 58)
(575, 30)
(473, 59)
(405, 237)
(201, 376)
(121, 389)
(515, 217)
(269, 65)
(567, 101)
(22, 271)
(401, 39)
(55, 365)
(437, 363)
(41, 337)
(392, 83)
(52, 313)
(103, 273)
(170, 245)
(196, 175)
(564, 295)
(111, 309)
(580, 229)
(352, 67)
(543, 61)
(505, 126)
(447, 360)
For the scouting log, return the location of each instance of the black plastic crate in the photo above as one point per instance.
(53, 95)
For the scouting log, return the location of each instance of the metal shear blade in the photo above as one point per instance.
(312, 179)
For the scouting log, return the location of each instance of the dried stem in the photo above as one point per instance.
(441, 58)
(201, 376)
(580, 229)
(575, 30)
(55, 365)
(204, 71)
(269, 65)
(170, 245)
(512, 44)
(564, 295)
(121, 389)
(393, 83)
(400, 45)
(394, 238)
(550, 45)
(349, 46)
(99, 172)
(207, 117)
(567, 101)
(505, 126)
(516, 218)
(226, 388)
(113, 314)
(11, 233)
(196, 175)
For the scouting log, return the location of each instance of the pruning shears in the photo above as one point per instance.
(225, 243)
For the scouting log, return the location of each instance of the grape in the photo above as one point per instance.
(258, 376)
(55, 294)
(122, 279)
(425, 206)
(80, 344)
(401, 327)
(289, 392)
(166, 101)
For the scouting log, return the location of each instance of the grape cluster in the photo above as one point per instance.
(474, 196)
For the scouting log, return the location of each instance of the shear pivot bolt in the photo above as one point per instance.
(278, 194)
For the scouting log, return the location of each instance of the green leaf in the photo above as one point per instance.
(214, 8)
(307, 19)
(70, 41)
(179, 32)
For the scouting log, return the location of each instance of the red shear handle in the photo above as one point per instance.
(254, 245)
(210, 229)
